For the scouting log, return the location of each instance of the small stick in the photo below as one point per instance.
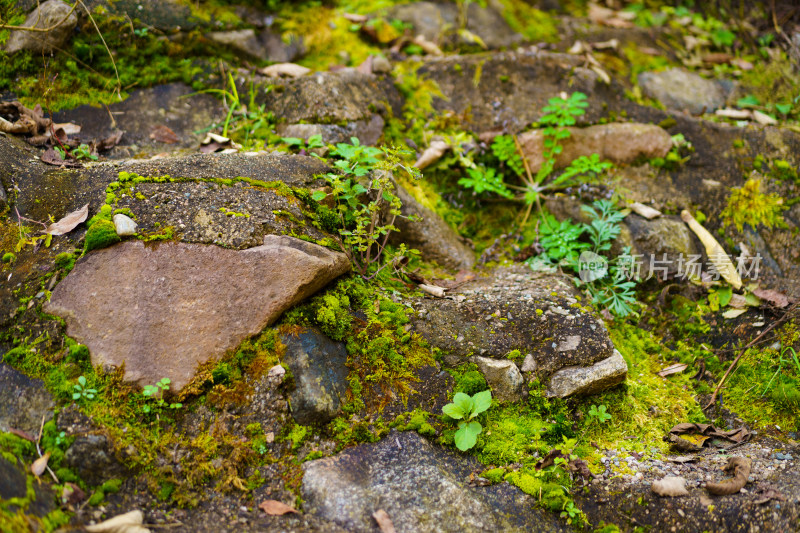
(39, 451)
(749, 345)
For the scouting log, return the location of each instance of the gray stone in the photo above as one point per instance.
(46, 15)
(515, 308)
(681, 90)
(167, 16)
(14, 484)
(368, 131)
(163, 310)
(667, 239)
(422, 487)
(124, 225)
(621, 142)
(23, 401)
(318, 365)
(430, 234)
(381, 65)
(329, 97)
(503, 377)
(262, 45)
(586, 380)
(92, 457)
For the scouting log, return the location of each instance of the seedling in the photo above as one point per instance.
(465, 408)
(599, 413)
(81, 391)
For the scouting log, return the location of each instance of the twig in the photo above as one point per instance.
(42, 30)
(39, 451)
(749, 345)
(99, 33)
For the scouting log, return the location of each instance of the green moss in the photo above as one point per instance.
(469, 381)
(65, 261)
(9, 257)
(748, 205)
(101, 234)
(495, 475)
(534, 24)
(417, 421)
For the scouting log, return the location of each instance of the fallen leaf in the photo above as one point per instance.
(733, 313)
(428, 46)
(21, 434)
(772, 296)
(673, 369)
(384, 522)
(717, 58)
(742, 64)
(609, 17)
(716, 254)
(68, 128)
(40, 465)
(354, 17)
(737, 301)
(432, 154)
(288, 70)
(763, 118)
(72, 494)
(738, 114)
(365, 67)
(433, 290)
(644, 210)
(69, 222)
(110, 142)
(51, 157)
(276, 508)
(670, 486)
(163, 134)
(125, 523)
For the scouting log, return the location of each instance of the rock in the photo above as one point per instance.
(92, 457)
(329, 97)
(162, 310)
(503, 377)
(14, 484)
(381, 65)
(124, 225)
(320, 375)
(431, 235)
(511, 89)
(175, 106)
(515, 308)
(681, 90)
(439, 22)
(667, 240)
(168, 16)
(368, 131)
(621, 142)
(23, 401)
(47, 15)
(586, 380)
(262, 45)
(422, 488)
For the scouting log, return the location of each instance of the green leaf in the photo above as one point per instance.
(464, 402)
(784, 109)
(453, 411)
(318, 196)
(748, 101)
(467, 435)
(725, 294)
(481, 401)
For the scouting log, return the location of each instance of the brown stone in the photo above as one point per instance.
(615, 142)
(54, 14)
(162, 310)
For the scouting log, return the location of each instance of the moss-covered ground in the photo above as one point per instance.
(763, 390)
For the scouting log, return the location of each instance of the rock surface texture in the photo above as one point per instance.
(420, 486)
(681, 90)
(162, 310)
(515, 308)
(54, 14)
(23, 401)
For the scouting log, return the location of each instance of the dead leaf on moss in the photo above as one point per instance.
(772, 296)
(432, 154)
(608, 17)
(69, 222)
(673, 369)
(276, 508)
(284, 70)
(40, 465)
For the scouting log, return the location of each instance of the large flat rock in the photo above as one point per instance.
(23, 401)
(515, 308)
(420, 486)
(162, 310)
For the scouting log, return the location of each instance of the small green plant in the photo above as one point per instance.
(599, 413)
(82, 392)
(366, 205)
(303, 145)
(156, 393)
(84, 152)
(465, 408)
(748, 205)
(780, 366)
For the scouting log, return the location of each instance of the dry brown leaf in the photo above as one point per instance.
(742, 64)
(110, 142)
(69, 222)
(72, 494)
(733, 313)
(68, 127)
(125, 523)
(609, 17)
(763, 118)
(717, 58)
(40, 465)
(428, 46)
(288, 70)
(673, 369)
(644, 210)
(772, 296)
(384, 522)
(163, 134)
(21, 434)
(432, 154)
(276, 508)
(716, 254)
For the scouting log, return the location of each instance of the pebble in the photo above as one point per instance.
(124, 225)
